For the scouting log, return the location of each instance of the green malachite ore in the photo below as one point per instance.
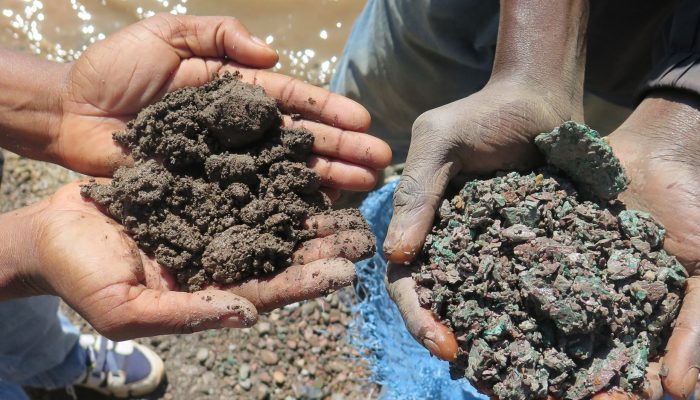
(549, 291)
(585, 158)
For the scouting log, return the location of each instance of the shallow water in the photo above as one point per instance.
(309, 34)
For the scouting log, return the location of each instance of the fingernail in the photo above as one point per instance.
(431, 346)
(260, 42)
(236, 321)
(233, 321)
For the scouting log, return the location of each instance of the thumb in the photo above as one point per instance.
(416, 199)
(682, 359)
(216, 37)
(150, 312)
(420, 322)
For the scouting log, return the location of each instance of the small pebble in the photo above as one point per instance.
(202, 355)
(263, 327)
(279, 378)
(244, 371)
(269, 357)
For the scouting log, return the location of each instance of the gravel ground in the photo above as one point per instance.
(298, 352)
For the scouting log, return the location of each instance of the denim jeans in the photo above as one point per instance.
(38, 347)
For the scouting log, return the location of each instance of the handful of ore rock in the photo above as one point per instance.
(550, 290)
(219, 191)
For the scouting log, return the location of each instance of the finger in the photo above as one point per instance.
(335, 221)
(296, 283)
(342, 175)
(353, 147)
(416, 199)
(421, 323)
(352, 245)
(683, 356)
(149, 312)
(108, 154)
(219, 37)
(311, 102)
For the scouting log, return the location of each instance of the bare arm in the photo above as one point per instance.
(30, 110)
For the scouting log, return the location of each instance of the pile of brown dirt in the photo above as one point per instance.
(550, 292)
(219, 191)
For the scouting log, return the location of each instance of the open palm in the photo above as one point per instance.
(115, 78)
(91, 262)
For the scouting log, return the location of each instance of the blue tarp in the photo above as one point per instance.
(403, 367)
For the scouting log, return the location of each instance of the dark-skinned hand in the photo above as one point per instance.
(657, 145)
(117, 77)
(66, 246)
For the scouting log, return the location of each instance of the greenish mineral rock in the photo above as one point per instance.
(585, 158)
(549, 293)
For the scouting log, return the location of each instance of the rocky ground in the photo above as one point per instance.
(298, 352)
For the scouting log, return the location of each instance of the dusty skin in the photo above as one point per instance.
(548, 293)
(219, 191)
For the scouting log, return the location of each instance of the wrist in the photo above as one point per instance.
(534, 97)
(18, 270)
(543, 45)
(30, 104)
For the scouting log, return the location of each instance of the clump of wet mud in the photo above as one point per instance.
(219, 191)
(548, 291)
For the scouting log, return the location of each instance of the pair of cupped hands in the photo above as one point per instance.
(76, 252)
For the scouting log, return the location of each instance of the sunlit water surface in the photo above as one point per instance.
(309, 34)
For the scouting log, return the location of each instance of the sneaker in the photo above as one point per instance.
(120, 369)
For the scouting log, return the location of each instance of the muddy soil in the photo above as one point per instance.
(229, 194)
(317, 326)
(549, 291)
(310, 339)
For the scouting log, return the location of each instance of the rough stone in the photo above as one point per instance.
(550, 292)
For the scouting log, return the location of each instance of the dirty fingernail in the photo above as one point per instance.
(431, 346)
(237, 321)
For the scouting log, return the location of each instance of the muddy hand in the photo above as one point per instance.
(420, 322)
(489, 131)
(320, 266)
(536, 84)
(65, 246)
(659, 148)
(114, 79)
(486, 132)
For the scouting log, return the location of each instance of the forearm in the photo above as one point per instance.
(30, 105)
(543, 43)
(17, 231)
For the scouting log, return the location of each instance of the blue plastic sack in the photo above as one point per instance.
(404, 368)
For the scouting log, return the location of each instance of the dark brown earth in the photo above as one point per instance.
(310, 338)
(549, 293)
(219, 191)
(27, 181)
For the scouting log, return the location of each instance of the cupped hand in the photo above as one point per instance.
(69, 248)
(488, 131)
(117, 77)
(659, 148)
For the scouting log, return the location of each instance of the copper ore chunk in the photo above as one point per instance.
(585, 158)
(549, 294)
